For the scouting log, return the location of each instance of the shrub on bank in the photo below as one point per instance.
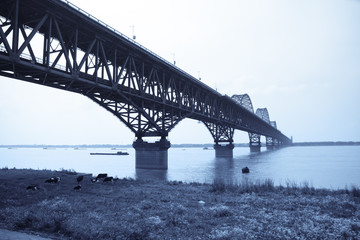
(246, 186)
(355, 191)
(67, 171)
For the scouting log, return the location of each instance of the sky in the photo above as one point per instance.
(300, 59)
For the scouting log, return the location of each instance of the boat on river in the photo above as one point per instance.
(117, 153)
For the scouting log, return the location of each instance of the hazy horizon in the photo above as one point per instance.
(263, 144)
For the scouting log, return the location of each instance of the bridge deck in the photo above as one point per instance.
(56, 44)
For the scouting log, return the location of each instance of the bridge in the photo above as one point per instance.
(56, 44)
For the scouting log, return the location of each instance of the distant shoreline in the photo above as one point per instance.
(186, 145)
(326, 144)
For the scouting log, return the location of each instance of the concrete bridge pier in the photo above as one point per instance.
(270, 147)
(151, 155)
(271, 143)
(255, 143)
(224, 150)
(273, 146)
(255, 147)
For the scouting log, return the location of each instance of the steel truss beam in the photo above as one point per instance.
(220, 133)
(50, 43)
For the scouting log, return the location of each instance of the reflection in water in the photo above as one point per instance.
(153, 174)
(256, 155)
(229, 170)
(224, 169)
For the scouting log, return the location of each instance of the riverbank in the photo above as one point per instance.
(129, 209)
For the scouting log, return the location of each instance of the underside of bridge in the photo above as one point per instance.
(56, 44)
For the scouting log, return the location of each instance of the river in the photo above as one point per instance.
(322, 166)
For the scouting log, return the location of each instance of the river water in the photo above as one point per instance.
(326, 167)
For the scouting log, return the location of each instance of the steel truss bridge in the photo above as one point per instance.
(56, 44)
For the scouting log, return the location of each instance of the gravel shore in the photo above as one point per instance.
(134, 209)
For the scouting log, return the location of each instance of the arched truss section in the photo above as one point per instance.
(144, 121)
(244, 100)
(220, 132)
(255, 138)
(263, 114)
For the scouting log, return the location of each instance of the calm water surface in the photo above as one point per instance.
(330, 167)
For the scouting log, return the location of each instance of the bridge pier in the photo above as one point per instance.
(255, 147)
(270, 147)
(270, 143)
(151, 155)
(255, 143)
(274, 146)
(224, 151)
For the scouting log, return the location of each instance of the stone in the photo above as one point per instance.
(245, 170)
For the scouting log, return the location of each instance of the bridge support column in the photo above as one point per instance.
(224, 151)
(270, 147)
(255, 148)
(255, 143)
(273, 145)
(270, 144)
(222, 133)
(151, 155)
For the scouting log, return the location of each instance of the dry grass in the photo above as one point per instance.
(129, 209)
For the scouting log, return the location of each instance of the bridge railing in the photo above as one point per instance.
(38, 60)
(136, 43)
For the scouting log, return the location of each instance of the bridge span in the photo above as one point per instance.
(56, 44)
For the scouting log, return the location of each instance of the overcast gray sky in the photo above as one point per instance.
(298, 58)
